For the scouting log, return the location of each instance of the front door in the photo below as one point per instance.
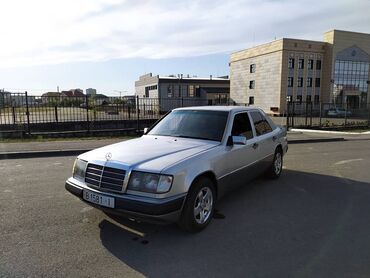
(240, 160)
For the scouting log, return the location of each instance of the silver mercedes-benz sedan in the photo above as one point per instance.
(182, 165)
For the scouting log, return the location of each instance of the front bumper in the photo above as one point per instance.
(146, 209)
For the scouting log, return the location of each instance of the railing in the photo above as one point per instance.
(20, 111)
(327, 115)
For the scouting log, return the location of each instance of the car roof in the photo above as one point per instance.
(219, 108)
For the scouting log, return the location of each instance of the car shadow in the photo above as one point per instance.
(301, 225)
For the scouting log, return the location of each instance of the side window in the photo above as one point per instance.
(242, 126)
(260, 123)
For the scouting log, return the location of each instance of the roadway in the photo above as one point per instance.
(312, 222)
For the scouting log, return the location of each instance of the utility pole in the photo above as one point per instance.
(120, 93)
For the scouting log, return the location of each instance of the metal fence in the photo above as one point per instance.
(327, 115)
(21, 111)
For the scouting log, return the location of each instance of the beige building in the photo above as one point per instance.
(335, 70)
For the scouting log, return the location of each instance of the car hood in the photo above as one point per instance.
(150, 153)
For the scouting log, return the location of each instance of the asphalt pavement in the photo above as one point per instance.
(312, 222)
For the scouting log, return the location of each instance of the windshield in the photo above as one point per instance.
(208, 125)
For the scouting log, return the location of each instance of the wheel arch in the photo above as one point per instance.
(279, 148)
(210, 175)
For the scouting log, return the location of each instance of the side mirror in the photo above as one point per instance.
(145, 130)
(237, 140)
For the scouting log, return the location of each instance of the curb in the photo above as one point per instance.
(315, 140)
(36, 154)
(297, 130)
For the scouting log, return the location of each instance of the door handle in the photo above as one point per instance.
(255, 146)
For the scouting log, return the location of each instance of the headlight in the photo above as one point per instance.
(148, 182)
(79, 169)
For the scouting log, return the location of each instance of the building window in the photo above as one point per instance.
(252, 68)
(153, 87)
(291, 63)
(191, 90)
(308, 98)
(310, 64)
(169, 91)
(289, 98)
(146, 91)
(300, 82)
(309, 81)
(299, 99)
(290, 81)
(301, 63)
(317, 82)
(251, 100)
(252, 84)
(318, 64)
(352, 75)
(197, 91)
(317, 99)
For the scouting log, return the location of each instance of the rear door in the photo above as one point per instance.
(265, 139)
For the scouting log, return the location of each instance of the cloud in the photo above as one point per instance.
(49, 32)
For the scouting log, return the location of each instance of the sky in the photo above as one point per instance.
(108, 44)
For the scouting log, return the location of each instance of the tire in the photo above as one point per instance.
(276, 167)
(199, 206)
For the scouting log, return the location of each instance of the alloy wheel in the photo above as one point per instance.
(278, 163)
(203, 205)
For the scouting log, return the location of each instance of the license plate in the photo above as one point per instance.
(98, 199)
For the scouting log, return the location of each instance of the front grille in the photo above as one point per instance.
(105, 177)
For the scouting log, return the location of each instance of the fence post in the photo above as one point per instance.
(320, 107)
(293, 114)
(14, 117)
(56, 113)
(87, 113)
(345, 114)
(28, 115)
(287, 115)
(305, 121)
(137, 114)
(182, 101)
(129, 112)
